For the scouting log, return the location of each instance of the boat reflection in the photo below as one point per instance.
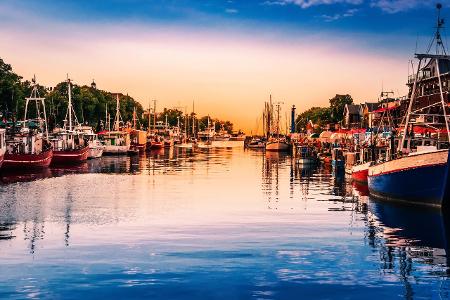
(15, 176)
(407, 233)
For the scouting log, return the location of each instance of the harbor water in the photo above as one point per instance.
(222, 223)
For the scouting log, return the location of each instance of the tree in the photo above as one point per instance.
(318, 115)
(337, 105)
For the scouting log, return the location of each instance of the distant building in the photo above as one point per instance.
(368, 114)
(352, 116)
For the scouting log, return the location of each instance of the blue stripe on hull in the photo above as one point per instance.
(425, 185)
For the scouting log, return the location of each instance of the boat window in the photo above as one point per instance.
(427, 143)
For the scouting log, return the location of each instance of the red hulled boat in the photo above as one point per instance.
(71, 156)
(27, 145)
(69, 145)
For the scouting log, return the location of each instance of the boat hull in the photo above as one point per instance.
(277, 146)
(140, 147)
(157, 145)
(95, 152)
(306, 161)
(116, 150)
(70, 157)
(418, 179)
(360, 173)
(27, 161)
(2, 157)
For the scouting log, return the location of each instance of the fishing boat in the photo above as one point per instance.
(256, 143)
(276, 142)
(208, 133)
(421, 175)
(222, 135)
(117, 142)
(95, 145)
(27, 144)
(138, 137)
(69, 145)
(304, 154)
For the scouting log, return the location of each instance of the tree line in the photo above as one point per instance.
(90, 104)
(322, 116)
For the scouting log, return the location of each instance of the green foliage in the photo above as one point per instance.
(89, 103)
(318, 115)
(337, 105)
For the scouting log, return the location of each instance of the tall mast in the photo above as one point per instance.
(117, 119)
(149, 116)
(134, 118)
(154, 114)
(69, 107)
(193, 119)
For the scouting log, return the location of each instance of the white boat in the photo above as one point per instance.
(276, 141)
(277, 144)
(116, 142)
(256, 143)
(304, 155)
(95, 146)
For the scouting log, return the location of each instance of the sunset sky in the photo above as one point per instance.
(227, 55)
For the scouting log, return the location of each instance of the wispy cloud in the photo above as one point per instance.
(396, 6)
(309, 3)
(338, 16)
(231, 11)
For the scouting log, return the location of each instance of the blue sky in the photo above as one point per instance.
(409, 16)
(225, 54)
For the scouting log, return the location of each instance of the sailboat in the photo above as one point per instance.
(69, 145)
(117, 142)
(27, 144)
(419, 174)
(276, 142)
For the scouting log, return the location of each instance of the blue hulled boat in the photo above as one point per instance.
(420, 178)
(419, 172)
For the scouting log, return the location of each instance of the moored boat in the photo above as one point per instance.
(95, 146)
(304, 155)
(69, 145)
(117, 142)
(420, 178)
(27, 145)
(360, 172)
(420, 174)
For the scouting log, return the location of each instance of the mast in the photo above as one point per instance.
(117, 119)
(427, 59)
(134, 118)
(69, 107)
(37, 99)
(154, 114)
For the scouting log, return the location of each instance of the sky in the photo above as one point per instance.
(227, 56)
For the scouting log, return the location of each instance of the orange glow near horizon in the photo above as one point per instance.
(229, 76)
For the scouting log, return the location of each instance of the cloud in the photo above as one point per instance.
(231, 11)
(395, 6)
(309, 3)
(335, 17)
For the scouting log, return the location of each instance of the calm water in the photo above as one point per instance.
(223, 224)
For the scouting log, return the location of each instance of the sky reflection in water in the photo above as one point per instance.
(223, 224)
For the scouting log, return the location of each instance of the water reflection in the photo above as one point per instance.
(189, 220)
